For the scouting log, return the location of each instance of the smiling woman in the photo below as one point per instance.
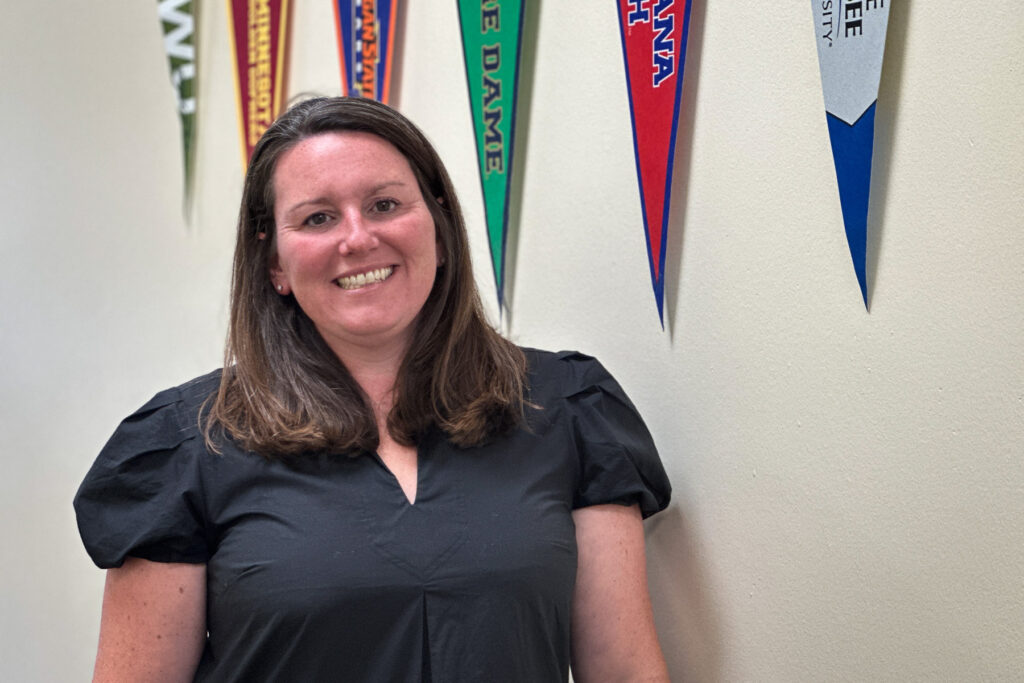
(333, 187)
(355, 242)
(378, 486)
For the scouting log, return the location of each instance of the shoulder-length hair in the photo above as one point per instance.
(284, 392)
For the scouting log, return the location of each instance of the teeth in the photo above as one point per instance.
(363, 279)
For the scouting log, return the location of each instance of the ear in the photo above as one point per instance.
(277, 276)
(438, 251)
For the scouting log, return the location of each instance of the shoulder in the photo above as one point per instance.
(562, 374)
(617, 458)
(144, 494)
(169, 419)
(188, 395)
(537, 358)
(184, 400)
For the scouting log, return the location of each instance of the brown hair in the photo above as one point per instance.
(284, 392)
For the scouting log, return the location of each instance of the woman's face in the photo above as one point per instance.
(355, 241)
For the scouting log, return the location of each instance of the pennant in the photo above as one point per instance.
(654, 50)
(366, 32)
(177, 18)
(258, 31)
(492, 33)
(851, 43)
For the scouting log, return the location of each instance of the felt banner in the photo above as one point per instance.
(851, 44)
(259, 38)
(366, 32)
(654, 50)
(492, 33)
(177, 18)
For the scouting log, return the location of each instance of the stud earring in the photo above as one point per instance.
(280, 288)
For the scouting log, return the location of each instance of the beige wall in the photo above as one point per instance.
(849, 486)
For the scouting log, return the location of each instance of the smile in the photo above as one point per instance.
(364, 279)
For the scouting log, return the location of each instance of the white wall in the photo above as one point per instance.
(849, 486)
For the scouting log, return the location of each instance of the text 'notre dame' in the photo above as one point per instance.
(494, 141)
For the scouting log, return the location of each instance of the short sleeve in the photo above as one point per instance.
(142, 496)
(619, 462)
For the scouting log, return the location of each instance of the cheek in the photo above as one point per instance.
(299, 258)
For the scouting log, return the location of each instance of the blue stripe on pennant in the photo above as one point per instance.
(851, 151)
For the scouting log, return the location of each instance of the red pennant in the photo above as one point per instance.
(654, 48)
(258, 30)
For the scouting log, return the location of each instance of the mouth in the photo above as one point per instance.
(370, 277)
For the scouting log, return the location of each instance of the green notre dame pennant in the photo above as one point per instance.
(491, 40)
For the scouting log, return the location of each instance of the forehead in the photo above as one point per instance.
(340, 157)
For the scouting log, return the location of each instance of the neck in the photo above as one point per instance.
(375, 370)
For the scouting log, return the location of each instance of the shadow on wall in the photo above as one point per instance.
(682, 164)
(889, 89)
(688, 624)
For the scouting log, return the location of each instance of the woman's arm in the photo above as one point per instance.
(154, 622)
(613, 637)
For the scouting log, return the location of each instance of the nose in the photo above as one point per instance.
(357, 235)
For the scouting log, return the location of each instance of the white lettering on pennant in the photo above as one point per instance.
(177, 48)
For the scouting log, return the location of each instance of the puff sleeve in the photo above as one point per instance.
(618, 460)
(143, 495)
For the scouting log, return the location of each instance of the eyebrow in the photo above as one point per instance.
(324, 200)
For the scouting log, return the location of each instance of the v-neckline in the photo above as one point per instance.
(410, 501)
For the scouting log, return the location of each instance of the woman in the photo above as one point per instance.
(378, 487)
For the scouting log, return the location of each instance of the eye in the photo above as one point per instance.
(384, 205)
(317, 219)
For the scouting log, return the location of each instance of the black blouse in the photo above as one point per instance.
(321, 570)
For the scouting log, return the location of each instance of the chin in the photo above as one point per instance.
(366, 332)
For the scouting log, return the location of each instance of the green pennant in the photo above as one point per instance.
(491, 40)
(177, 18)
